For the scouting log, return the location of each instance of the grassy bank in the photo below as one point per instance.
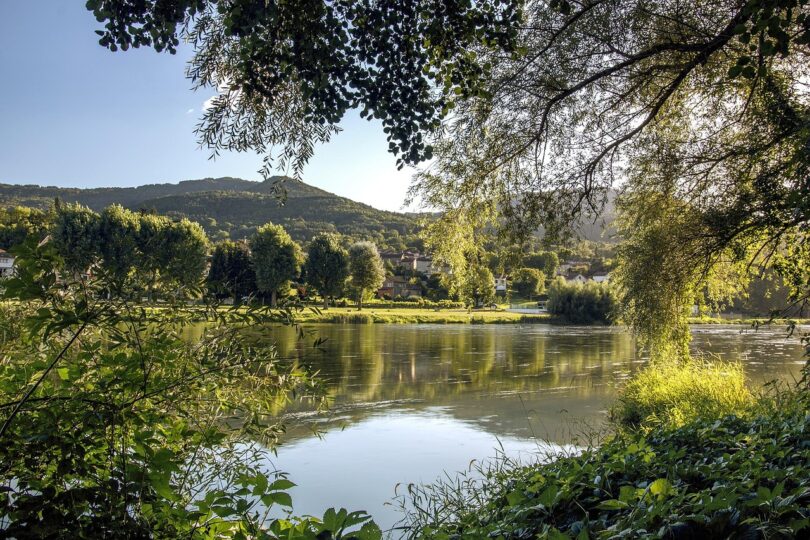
(418, 316)
(724, 465)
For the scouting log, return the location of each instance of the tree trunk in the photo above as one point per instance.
(360, 301)
(325, 301)
(274, 299)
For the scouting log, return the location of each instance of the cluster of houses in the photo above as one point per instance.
(568, 270)
(400, 286)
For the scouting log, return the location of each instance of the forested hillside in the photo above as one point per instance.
(232, 207)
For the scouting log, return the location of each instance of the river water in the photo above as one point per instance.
(411, 402)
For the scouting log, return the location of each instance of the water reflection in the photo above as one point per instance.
(412, 401)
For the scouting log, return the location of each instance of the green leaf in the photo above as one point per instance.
(612, 504)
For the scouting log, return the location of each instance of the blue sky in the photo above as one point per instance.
(75, 114)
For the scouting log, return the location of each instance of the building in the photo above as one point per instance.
(501, 285)
(398, 286)
(6, 263)
(424, 264)
(578, 278)
(601, 277)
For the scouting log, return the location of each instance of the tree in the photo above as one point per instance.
(19, 222)
(276, 259)
(327, 266)
(217, 280)
(118, 241)
(478, 287)
(184, 254)
(609, 92)
(528, 282)
(366, 268)
(287, 72)
(151, 240)
(76, 235)
(231, 272)
(545, 261)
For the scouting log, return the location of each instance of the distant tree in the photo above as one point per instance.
(19, 222)
(217, 280)
(184, 252)
(231, 272)
(327, 266)
(545, 261)
(528, 282)
(151, 240)
(118, 241)
(366, 268)
(241, 275)
(478, 286)
(276, 259)
(76, 236)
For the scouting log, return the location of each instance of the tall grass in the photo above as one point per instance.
(671, 393)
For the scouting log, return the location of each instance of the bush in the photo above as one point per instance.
(580, 303)
(673, 393)
(714, 478)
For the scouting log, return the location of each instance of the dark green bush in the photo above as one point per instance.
(580, 303)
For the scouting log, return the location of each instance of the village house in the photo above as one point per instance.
(577, 278)
(501, 285)
(6, 263)
(601, 277)
(398, 286)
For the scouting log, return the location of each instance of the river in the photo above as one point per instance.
(411, 402)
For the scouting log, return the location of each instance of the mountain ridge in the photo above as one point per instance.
(233, 207)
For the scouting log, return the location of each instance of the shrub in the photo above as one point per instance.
(582, 303)
(673, 393)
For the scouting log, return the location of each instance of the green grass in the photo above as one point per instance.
(417, 316)
(672, 393)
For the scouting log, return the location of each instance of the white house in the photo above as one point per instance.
(501, 285)
(601, 278)
(6, 263)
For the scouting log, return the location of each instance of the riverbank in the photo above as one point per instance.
(372, 315)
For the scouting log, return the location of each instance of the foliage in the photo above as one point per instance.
(580, 303)
(76, 234)
(231, 272)
(719, 478)
(118, 241)
(545, 261)
(276, 259)
(114, 426)
(327, 266)
(478, 286)
(671, 393)
(288, 72)
(703, 103)
(528, 282)
(19, 222)
(184, 253)
(366, 269)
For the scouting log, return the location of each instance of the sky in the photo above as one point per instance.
(75, 114)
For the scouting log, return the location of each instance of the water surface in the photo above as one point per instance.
(409, 402)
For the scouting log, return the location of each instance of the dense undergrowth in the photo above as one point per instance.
(693, 454)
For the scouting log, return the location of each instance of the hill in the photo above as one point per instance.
(232, 207)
